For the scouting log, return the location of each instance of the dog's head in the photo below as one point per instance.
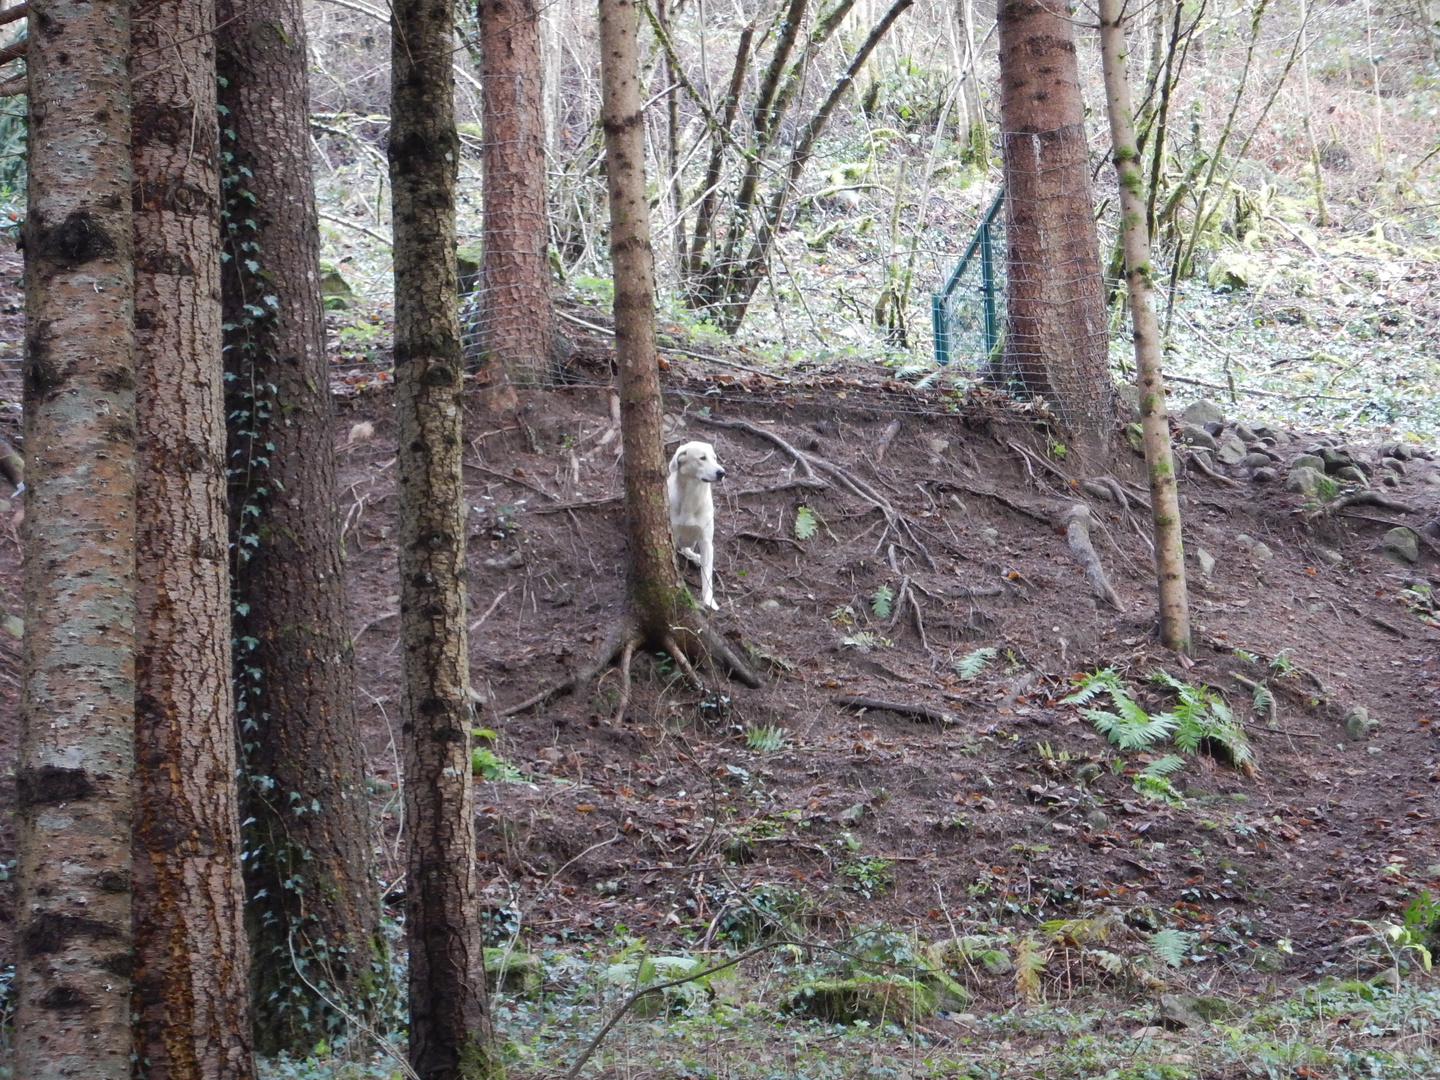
(696, 461)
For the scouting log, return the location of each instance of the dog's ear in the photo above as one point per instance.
(675, 461)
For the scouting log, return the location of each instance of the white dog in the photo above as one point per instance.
(692, 510)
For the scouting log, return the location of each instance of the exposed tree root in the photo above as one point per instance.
(905, 599)
(622, 642)
(1076, 523)
(809, 463)
(1009, 504)
(904, 708)
(1369, 498)
(1198, 462)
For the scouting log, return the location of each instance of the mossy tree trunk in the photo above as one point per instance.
(192, 971)
(449, 1021)
(313, 901)
(1154, 417)
(77, 709)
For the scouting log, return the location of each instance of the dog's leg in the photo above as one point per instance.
(707, 571)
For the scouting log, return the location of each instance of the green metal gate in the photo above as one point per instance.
(967, 315)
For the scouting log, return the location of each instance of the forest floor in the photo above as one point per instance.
(978, 826)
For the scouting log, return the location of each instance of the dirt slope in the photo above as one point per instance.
(663, 820)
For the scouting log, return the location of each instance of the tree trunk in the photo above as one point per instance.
(976, 141)
(1057, 340)
(77, 710)
(1154, 418)
(449, 1022)
(517, 327)
(191, 964)
(309, 875)
(657, 598)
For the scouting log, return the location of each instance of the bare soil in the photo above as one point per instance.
(658, 820)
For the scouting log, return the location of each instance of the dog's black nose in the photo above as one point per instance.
(719, 474)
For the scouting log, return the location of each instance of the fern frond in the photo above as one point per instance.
(1262, 699)
(1172, 946)
(882, 603)
(1091, 686)
(973, 663)
(1164, 766)
(1158, 789)
(1030, 961)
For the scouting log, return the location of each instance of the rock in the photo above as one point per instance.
(875, 999)
(1394, 465)
(1256, 461)
(1266, 475)
(1128, 395)
(1194, 435)
(1309, 461)
(1334, 459)
(1098, 820)
(1203, 412)
(851, 815)
(1358, 722)
(1180, 1011)
(1135, 437)
(1205, 457)
(1245, 434)
(1256, 549)
(1403, 543)
(1432, 478)
(938, 446)
(1390, 480)
(1088, 772)
(1309, 482)
(1396, 450)
(1263, 431)
(1330, 557)
(513, 561)
(990, 536)
(1351, 474)
(1214, 427)
(770, 605)
(1231, 451)
(514, 974)
(14, 626)
(1206, 561)
(335, 291)
(1281, 438)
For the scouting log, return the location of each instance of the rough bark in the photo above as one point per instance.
(1056, 340)
(1154, 416)
(449, 1021)
(517, 326)
(191, 964)
(295, 694)
(77, 709)
(658, 599)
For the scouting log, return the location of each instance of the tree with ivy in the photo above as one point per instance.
(313, 910)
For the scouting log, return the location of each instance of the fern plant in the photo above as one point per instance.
(806, 523)
(1129, 727)
(1204, 720)
(882, 602)
(974, 662)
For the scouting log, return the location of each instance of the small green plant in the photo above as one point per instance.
(868, 876)
(1283, 665)
(766, 738)
(882, 602)
(865, 641)
(807, 523)
(1202, 719)
(974, 662)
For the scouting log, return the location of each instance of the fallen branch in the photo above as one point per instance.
(923, 712)
(514, 480)
(605, 501)
(1076, 523)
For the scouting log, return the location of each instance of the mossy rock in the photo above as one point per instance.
(514, 974)
(875, 999)
(335, 291)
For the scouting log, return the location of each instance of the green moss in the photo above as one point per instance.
(874, 999)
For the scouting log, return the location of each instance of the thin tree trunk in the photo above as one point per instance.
(977, 132)
(703, 236)
(449, 1022)
(1317, 177)
(1057, 341)
(1154, 418)
(192, 971)
(310, 879)
(517, 331)
(656, 595)
(77, 709)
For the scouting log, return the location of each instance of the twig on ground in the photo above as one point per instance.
(508, 478)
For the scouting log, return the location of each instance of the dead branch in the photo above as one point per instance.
(626, 654)
(625, 631)
(922, 712)
(509, 479)
(1076, 523)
